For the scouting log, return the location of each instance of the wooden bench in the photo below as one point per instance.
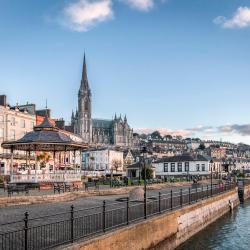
(17, 189)
(75, 187)
(67, 187)
(58, 187)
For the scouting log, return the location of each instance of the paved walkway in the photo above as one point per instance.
(16, 213)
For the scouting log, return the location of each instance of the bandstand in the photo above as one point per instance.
(47, 138)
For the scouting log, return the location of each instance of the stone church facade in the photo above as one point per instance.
(98, 131)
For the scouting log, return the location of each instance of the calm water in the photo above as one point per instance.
(232, 231)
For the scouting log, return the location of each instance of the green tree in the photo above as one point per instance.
(156, 135)
(149, 172)
(202, 146)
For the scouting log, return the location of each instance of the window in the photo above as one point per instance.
(179, 166)
(32, 124)
(165, 167)
(173, 167)
(203, 167)
(22, 123)
(197, 167)
(186, 166)
(1, 133)
(13, 121)
(12, 134)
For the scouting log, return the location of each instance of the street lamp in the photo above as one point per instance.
(144, 151)
(211, 166)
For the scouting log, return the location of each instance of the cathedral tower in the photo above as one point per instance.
(84, 125)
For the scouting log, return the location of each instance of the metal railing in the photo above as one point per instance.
(47, 232)
(61, 176)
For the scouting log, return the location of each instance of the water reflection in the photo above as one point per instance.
(232, 231)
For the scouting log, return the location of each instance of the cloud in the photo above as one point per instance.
(243, 130)
(201, 128)
(82, 15)
(142, 5)
(240, 19)
(165, 131)
(234, 133)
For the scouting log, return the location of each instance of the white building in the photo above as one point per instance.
(103, 161)
(15, 122)
(181, 166)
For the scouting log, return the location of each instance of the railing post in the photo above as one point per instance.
(207, 192)
(72, 223)
(159, 202)
(211, 190)
(171, 199)
(196, 193)
(181, 197)
(104, 216)
(189, 195)
(202, 192)
(145, 205)
(26, 227)
(127, 210)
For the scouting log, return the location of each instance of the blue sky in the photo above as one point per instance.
(175, 65)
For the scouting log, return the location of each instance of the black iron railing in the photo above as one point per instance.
(50, 231)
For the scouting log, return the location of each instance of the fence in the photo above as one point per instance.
(50, 231)
(57, 176)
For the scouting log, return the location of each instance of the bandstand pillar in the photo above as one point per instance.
(11, 164)
(35, 166)
(74, 161)
(54, 157)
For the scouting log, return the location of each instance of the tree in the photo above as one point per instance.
(156, 135)
(168, 137)
(91, 159)
(202, 146)
(179, 137)
(143, 136)
(43, 158)
(116, 164)
(149, 172)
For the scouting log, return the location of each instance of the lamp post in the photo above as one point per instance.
(211, 166)
(144, 151)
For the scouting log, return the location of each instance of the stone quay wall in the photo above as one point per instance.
(246, 192)
(165, 231)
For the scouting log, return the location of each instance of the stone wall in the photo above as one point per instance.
(165, 231)
(246, 192)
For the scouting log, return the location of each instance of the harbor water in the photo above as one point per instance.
(230, 232)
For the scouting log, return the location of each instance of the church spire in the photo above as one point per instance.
(84, 81)
(84, 69)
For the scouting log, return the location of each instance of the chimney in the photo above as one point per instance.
(3, 100)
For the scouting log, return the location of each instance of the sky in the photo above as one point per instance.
(178, 66)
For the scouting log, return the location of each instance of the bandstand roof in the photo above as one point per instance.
(45, 137)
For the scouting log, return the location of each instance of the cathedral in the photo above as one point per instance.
(98, 131)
